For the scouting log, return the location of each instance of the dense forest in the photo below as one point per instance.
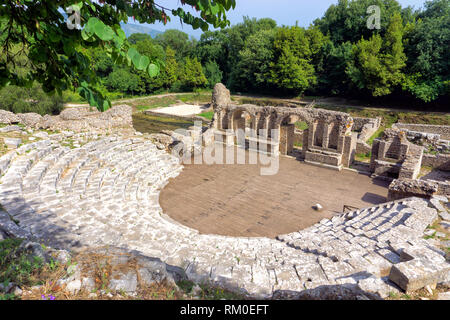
(407, 59)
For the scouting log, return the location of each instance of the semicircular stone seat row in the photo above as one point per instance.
(106, 193)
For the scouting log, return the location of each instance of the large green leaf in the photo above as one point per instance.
(103, 31)
(142, 63)
(132, 52)
(153, 70)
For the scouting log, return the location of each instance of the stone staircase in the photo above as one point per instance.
(106, 193)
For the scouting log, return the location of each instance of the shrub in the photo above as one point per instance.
(23, 100)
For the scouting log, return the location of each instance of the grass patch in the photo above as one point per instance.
(363, 157)
(301, 125)
(260, 101)
(15, 265)
(20, 267)
(155, 124)
(208, 115)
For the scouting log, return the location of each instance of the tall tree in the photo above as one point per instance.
(212, 73)
(225, 45)
(331, 63)
(292, 69)
(136, 37)
(193, 76)
(253, 65)
(178, 41)
(170, 73)
(378, 65)
(427, 49)
(347, 20)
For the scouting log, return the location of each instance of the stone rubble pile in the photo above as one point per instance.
(77, 119)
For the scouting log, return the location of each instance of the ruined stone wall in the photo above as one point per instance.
(333, 137)
(298, 137)
(349, 149)
(394, 149)
(443, 188)
(76, 119)
(439, 161)
(366, 127)
(325, 141)
(411, 165)
(404, 188)
(394, 156)
(362, 147)
(443, 131)
(360, 122)
(318, 134)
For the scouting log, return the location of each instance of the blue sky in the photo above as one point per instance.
(285, 12)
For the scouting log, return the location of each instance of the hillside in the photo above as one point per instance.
(130, 28)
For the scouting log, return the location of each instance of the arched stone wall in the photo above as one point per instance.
(327, 141)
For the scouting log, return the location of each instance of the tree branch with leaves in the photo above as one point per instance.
(56, 52)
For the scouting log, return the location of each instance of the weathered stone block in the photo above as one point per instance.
(126, 282)
(418, 273)
(12, 142)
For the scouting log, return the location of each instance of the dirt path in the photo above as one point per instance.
(128, 99)
(325, 101)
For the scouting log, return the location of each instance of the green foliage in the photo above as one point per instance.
(15, 264)
(212, 73)
(377, 65)
(100, 62)
(292, 69)
(337, 55)
(428, 54)
(224, 46)
(123, 80)
(56, 52)
(137, 37)
(192, 76)
(170, 73)
(331, 62)
(347, 20)
(254, 62)
(34, 99)
(178, 41)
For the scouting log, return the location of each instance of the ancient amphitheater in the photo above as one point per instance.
(104, 189)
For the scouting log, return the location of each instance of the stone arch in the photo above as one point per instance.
(260, 121)
(240, 118)
(223, 116)
(319, 127)
(271, 124)
(333, 135)
(324, 131)
(285, 123)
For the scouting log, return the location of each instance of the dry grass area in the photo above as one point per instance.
(101, 268)
(421, 294)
